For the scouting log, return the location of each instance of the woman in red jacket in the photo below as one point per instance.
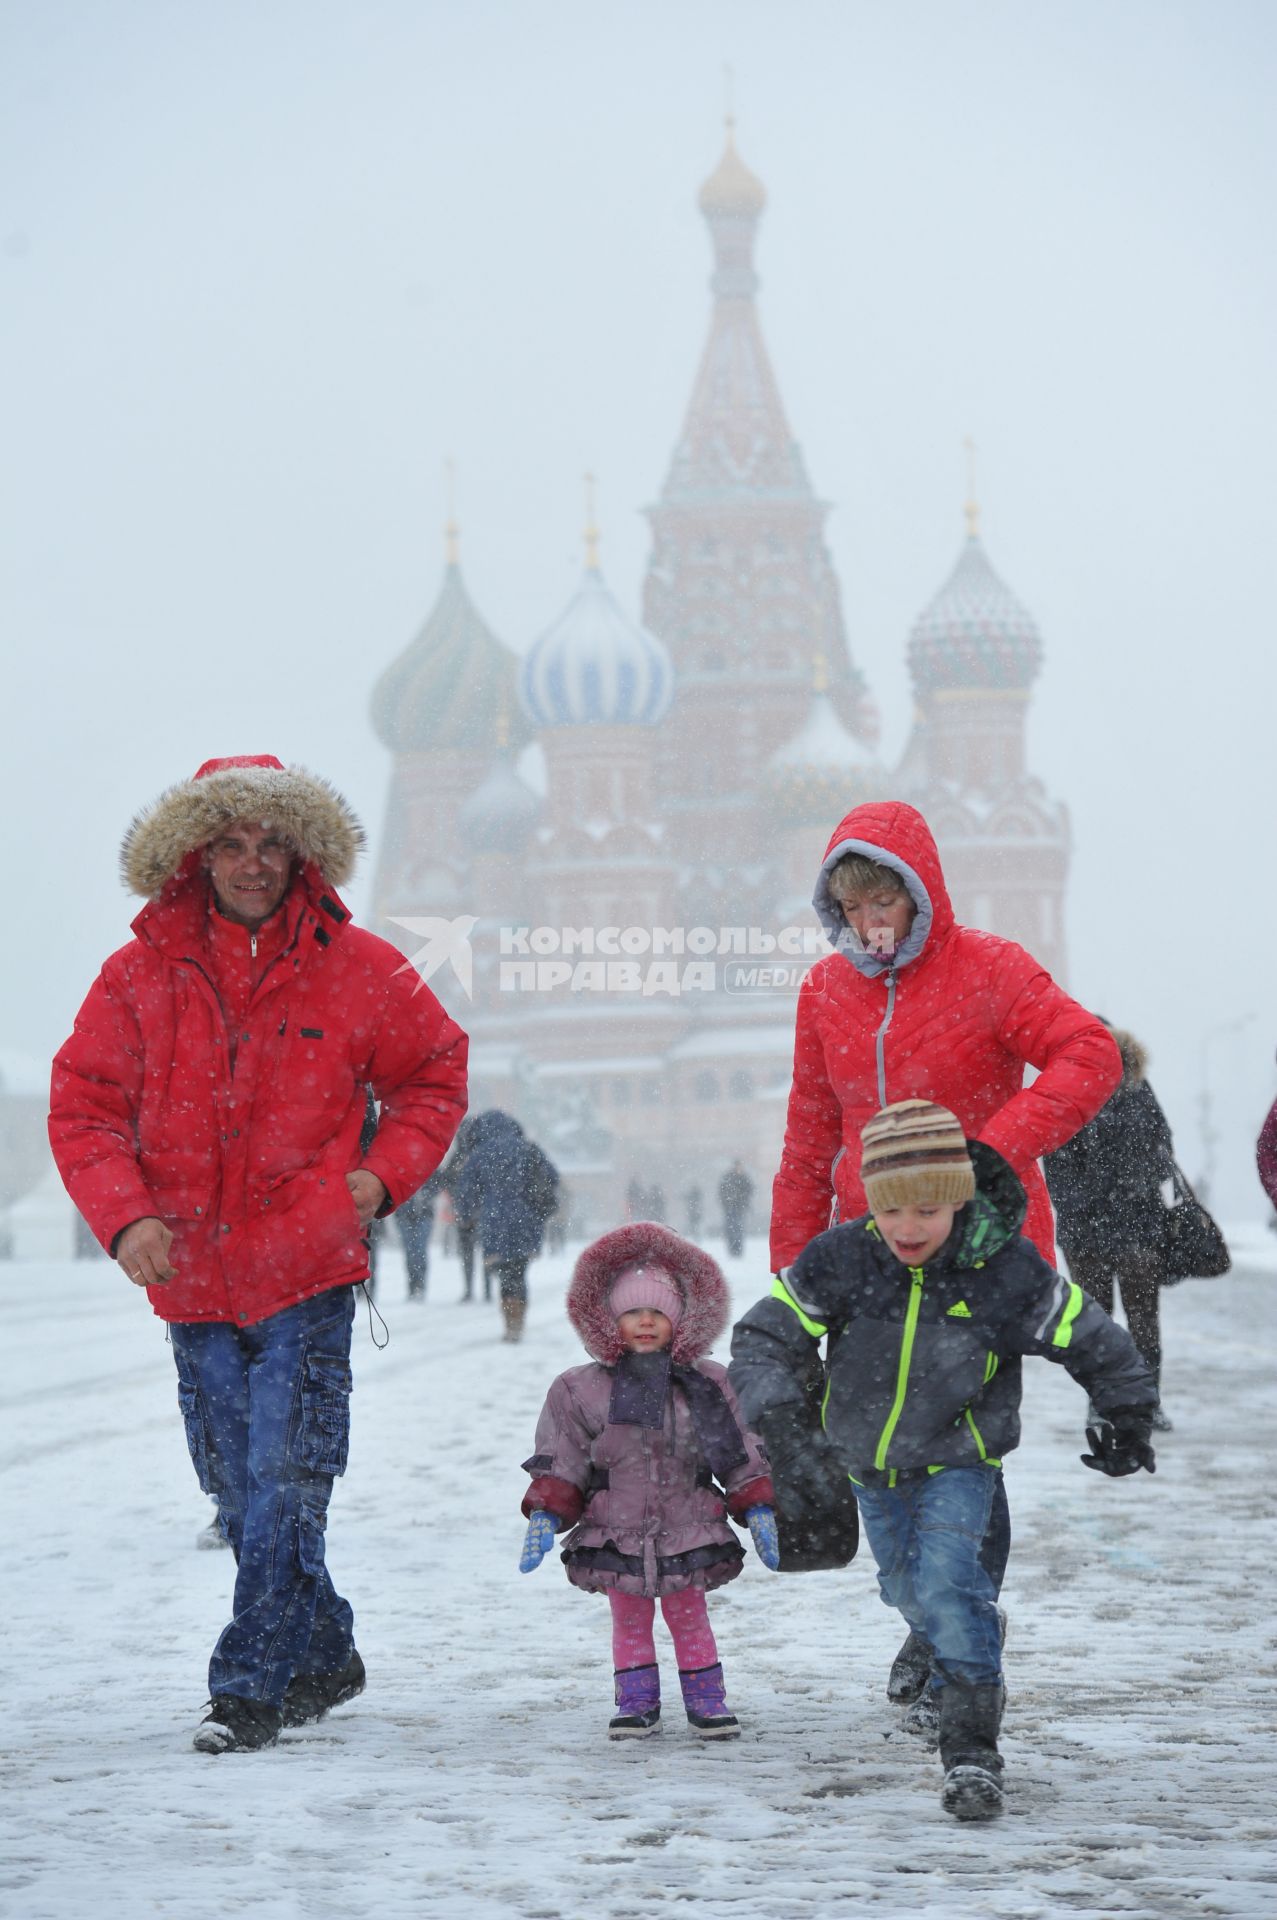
(913, 1006)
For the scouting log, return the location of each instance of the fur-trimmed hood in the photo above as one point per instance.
(312, 815)
(698, 1278)
(1134, 1057)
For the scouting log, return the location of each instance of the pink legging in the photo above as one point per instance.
(685, 1616)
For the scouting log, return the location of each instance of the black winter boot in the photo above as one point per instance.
(969, 1721)
(909, 1670)
(311, 1695)
(237, 1726)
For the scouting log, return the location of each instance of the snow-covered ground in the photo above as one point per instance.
(473, 1779)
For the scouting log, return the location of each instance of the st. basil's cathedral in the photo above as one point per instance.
(694, 766)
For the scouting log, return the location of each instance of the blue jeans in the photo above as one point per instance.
(267, 1416)
(925, 1535)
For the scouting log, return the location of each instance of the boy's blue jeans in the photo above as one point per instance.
(267, 1416)
(925, 1535)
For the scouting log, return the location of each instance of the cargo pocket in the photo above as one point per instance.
(325, 1434)
(188, 1400)
(310, 1540)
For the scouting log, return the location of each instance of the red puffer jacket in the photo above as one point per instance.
(247, 1163)
(954, 1017)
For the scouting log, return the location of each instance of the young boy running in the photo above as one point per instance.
(929, 1303)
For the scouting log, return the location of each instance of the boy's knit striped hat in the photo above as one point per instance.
(914, 1154)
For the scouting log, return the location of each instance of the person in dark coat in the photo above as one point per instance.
(415, 1220)
(735, 1191)
(465, 1225)
(509, 1188)
(1266, 1154)
(1107, 1185)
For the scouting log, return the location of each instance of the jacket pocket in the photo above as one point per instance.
(325, 1426)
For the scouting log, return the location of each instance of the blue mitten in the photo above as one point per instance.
(538, 1540)
(762, 1526)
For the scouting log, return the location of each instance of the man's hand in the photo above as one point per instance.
(142, 1250)
(367, 1192)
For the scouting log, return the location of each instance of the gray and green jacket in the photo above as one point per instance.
(922, 1366)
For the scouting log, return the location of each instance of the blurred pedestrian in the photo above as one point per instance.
(735, 1191)
(509, 1188)
(1112, 1185)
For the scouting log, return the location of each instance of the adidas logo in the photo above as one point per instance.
(961, 1312)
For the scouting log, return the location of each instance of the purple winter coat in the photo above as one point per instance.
(646, 1515)
(651, 1519)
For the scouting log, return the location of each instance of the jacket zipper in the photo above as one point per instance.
(902, 1372)
(880, 1038)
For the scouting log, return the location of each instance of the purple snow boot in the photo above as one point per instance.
(705, 1698)
(638, 1704)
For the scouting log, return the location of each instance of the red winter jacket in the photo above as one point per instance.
(954, 1018)
(247, 1163)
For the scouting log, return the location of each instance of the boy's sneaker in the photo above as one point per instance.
(237, 1726)
(1161, 1421)
(909, 1670)
(311, 1695)
(972, 1792)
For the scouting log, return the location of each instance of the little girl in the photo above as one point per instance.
(628, 1451)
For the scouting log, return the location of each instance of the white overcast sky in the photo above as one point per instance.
(265, 265)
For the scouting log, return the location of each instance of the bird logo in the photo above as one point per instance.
(445, 940)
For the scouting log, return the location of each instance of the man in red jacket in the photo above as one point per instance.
(205, 1116)
(913, 1006)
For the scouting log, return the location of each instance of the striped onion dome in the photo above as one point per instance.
(450, 685)
(975, 634)
(822, 772)
(596, 665)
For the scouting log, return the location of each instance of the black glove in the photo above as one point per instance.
(816, 1514)
(1119, 1443)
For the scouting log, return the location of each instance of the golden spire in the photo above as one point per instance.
(451, 532)
(591, 530)
(972, 506)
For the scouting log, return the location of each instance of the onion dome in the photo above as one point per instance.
(732, 188)
(975, 635)
(498, 817)
(823, 771)
(449, 685)
(595, 665)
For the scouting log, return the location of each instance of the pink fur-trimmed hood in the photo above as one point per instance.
(699, 1279)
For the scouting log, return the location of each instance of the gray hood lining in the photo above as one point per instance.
(844, 939)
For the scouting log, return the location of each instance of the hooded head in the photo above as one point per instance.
(166, 842)
(892, 834)
(613, 1259)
